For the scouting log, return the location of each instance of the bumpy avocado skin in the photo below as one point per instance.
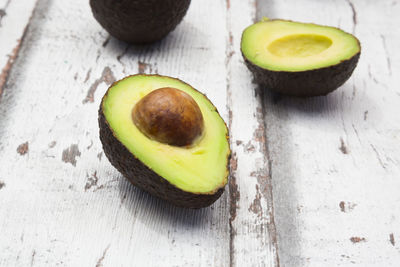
(139, 21)
(316, 82)
(143, 177)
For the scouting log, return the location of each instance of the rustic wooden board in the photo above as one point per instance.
(335, 159)
(62, 203)
(314, 181)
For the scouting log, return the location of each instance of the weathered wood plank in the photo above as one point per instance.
(14, 18)
(253, 238)
(61, 201)
(335, 159)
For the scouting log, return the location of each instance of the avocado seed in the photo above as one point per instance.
(169, 116)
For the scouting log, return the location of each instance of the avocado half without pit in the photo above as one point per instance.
(299, 59)
(166, 138)
(139, 21)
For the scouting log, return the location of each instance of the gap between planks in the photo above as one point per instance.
(263, 175)
(6, 69)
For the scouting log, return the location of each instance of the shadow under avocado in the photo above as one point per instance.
(341, 102)
(183, 31)
(149, 208)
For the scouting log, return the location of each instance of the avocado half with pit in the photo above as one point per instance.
(167, 138)
(299, 59)
(139, 21)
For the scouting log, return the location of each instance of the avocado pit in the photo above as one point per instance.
(169, 116)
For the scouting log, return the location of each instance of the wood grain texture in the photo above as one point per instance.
(62, 203)
(331, 164)
(335, 159)
(253, 238)
(14, 18)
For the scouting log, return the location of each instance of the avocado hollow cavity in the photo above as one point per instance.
(299, 45)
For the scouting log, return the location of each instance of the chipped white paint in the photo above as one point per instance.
(334, 208)
(334, 160)
(14, 18)
(252, 224)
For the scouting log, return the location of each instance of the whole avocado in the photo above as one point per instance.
(139, 21)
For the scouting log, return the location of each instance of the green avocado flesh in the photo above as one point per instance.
(201, 168)
(280, 45)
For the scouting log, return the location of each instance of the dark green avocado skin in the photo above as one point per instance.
(143, 177)
(139, 21)
(316, 82)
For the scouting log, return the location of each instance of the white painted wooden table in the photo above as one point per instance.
(315, 182)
